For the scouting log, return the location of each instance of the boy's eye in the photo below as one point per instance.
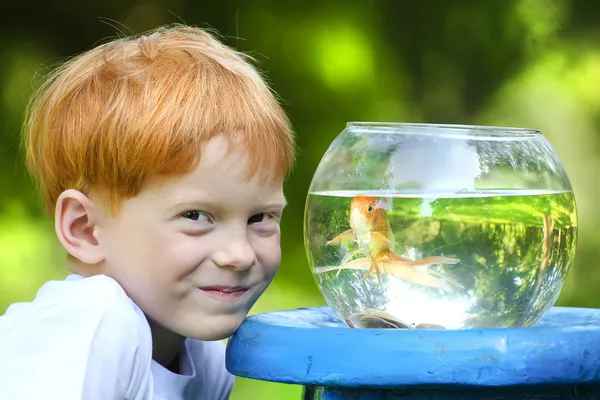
(195, 215)
(258, 218)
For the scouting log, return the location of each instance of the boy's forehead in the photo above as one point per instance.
(221, 174)
(227, 186)
(218, 146)
(231, 155)
(222, 152)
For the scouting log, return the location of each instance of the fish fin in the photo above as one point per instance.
(377, 237)
(424, 261)
(435, 260)
(374, 266)
(377, 271)
(366, 275)
(358, 264)
(420, 275)
(343, 237)
(413, 276)
(345, 260)
(350, 255)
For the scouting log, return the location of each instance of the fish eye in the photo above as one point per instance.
(370, 208)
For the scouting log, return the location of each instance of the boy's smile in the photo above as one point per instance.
(227, 293)
(195, 252)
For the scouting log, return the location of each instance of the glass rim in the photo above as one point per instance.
(444, 129)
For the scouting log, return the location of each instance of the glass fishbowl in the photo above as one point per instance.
(440, 226)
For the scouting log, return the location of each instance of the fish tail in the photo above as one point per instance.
(422, 262)
(394, 256)
(419, 277)
(435, 260)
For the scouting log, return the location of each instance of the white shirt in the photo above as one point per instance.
(86, 339)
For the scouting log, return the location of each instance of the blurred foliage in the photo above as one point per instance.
(529, 63)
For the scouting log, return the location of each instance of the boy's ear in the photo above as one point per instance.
(75, 222)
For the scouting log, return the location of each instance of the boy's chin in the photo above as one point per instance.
(215, 328)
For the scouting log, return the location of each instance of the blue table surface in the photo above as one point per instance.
(312, 346)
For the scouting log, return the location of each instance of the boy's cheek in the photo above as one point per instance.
(273, 257)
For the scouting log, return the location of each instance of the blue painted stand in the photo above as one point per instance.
(559, 358)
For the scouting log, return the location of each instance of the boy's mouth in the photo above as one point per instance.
(226, 292)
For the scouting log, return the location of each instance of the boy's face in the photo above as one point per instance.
(196, 252)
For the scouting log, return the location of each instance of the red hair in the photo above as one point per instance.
(140, 107)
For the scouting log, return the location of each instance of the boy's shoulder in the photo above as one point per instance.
(85, 289)
(84, 302)
(78, 336)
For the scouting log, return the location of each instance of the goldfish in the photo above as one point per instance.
(370, 229)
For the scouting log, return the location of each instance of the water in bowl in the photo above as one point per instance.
(468, 260)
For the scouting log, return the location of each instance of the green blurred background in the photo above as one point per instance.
(528, 63)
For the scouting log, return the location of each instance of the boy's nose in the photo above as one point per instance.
(237, 253)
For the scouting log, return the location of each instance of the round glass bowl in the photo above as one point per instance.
(440, 226)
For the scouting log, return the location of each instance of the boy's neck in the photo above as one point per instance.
(166, 346)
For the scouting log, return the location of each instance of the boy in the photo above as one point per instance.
(162, 159)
